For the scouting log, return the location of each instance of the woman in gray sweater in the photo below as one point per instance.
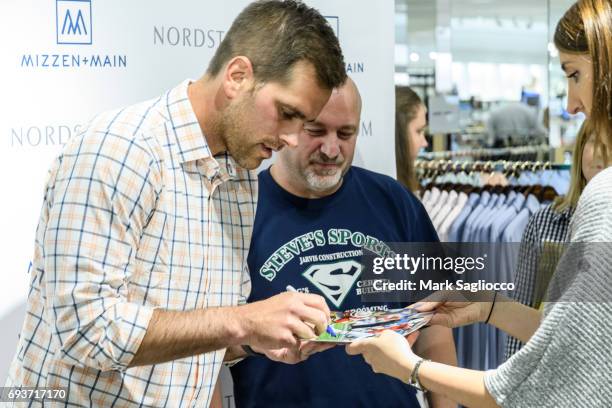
(567, 361)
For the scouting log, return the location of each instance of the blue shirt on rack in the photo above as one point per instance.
(514, 231)
(482, 227)
(499, 224)
(485, 197)
(511, 235)
(456, 230)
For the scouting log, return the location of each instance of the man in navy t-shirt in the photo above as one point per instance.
(316, 214)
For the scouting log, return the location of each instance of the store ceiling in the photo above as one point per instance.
(536, 10)
(484, 30)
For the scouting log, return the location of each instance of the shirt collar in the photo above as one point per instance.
(518, 202)
(494, 200)
(532, 203)
(473, 198)
(183, 126)
(484, 198)
(189, 141)
(566, 214)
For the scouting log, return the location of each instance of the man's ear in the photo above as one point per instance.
(238, 77)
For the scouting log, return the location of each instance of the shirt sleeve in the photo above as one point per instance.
(245, 292)
(104, 193)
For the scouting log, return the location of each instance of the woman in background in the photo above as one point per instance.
(567, 361)
(410, 124)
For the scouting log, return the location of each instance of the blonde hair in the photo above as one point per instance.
(407, 104)
(577, 180)
(586, 28)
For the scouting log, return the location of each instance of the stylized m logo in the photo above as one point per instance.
(73, 21)
(71, 27)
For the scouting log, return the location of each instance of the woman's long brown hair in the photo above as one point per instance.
(577, 180)
(407, 104)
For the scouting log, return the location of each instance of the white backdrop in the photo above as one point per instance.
(63, 61)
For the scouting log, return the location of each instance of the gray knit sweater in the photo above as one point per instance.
(568, 361)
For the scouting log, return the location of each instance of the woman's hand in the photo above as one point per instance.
(297, 354)
(454, 309)
(390, 353)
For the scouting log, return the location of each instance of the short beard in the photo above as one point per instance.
(236, 135)
(322, 183)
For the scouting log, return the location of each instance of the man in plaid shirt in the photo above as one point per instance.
(138, 278)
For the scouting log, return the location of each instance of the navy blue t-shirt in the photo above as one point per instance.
(315, 245)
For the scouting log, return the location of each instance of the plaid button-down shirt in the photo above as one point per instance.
(541, 248)
(137, 215)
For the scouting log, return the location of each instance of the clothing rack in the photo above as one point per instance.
(475, 154)
(487, 201)
(504, 166)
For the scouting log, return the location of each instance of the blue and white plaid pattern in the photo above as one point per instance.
(539, 253)
(137, 215)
